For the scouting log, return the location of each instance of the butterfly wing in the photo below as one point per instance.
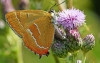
(18, 20)
(34, 27)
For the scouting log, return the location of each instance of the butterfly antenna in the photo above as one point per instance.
(56, 5)
(53, 6)
(60, 3)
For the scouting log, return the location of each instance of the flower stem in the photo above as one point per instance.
(72, 58)
(84, 58)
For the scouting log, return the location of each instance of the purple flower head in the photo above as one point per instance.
(71, 18)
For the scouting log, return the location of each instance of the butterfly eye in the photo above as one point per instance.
(51, 11)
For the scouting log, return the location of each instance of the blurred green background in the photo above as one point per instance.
(12, 50)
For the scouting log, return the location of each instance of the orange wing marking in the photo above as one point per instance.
(34, 37)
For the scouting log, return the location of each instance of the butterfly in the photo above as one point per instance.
(35, 27)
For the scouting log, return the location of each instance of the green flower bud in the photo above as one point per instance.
(88, 43)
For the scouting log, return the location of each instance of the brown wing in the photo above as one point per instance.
(18, 20)
(35, 28)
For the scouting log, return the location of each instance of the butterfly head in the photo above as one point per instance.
(54, 16)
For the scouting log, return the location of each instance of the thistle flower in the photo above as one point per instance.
(59, 49)
(71, 18)
(73, 40)
(88, 43)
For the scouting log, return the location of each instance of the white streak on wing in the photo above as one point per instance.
(18, 19)
(13, 28)
(37, 28)
(35, 40)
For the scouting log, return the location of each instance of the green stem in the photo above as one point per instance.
(73, 61)
(73, 57)
(84, 58)
(69, 58)
(56, 59)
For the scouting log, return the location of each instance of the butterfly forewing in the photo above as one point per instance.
(14, 23)
(35, 28)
